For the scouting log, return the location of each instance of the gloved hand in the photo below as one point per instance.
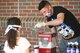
(39, 25)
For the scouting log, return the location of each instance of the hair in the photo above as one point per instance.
(42, 4)
(12, 34)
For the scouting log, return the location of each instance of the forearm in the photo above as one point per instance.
(53, 29)
(59, 20)
(54, 22)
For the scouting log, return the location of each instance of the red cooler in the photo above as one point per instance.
(46, 43)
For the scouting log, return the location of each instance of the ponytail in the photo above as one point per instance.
(11, 37)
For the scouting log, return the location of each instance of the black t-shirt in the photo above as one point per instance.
(69, 19)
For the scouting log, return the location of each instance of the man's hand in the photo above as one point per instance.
(39, 25)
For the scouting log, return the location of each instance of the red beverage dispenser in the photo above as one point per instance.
(46, 43)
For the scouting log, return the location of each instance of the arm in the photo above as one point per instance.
(53, 29)
(59, 20)
(27, 50)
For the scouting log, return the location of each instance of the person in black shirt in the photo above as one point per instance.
(64, 21)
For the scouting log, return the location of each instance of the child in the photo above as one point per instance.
(15, 43)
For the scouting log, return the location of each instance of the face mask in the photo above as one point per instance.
(47, 15)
